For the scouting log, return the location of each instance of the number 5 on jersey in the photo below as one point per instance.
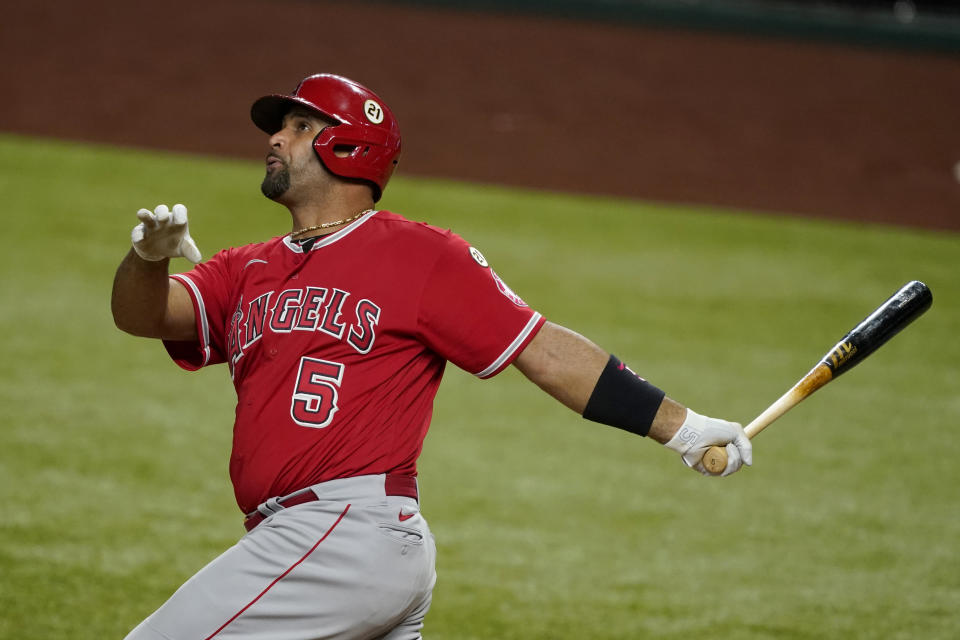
(315, 396)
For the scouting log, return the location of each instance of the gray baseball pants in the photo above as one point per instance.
(354, 565)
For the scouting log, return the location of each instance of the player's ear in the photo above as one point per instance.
(343, 150)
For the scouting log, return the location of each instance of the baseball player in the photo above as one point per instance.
(336, 336)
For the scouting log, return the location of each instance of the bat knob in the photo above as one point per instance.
(715, 459)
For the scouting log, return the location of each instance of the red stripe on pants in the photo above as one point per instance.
(281, 576)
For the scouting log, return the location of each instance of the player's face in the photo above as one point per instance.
(292, 164)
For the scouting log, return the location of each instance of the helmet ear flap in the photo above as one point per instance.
(359, 154)
(320, 142)
(326, 144)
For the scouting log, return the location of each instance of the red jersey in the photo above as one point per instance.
(336, 353)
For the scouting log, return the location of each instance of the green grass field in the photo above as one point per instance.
(113, 462)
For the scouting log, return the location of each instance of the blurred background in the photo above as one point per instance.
(715, 191)
(833, 109)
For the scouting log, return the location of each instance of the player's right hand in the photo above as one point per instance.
(163, 233)
(698, 433)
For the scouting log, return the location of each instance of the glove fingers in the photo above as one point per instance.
(179, 214)
(702, 469)
(189, 250)
(163, 213)
(742, 442)
(137, 234)
(734, 460)
(147, 218)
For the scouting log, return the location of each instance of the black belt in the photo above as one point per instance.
(393, 485)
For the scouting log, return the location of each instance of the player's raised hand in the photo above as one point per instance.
(163, 233)
(698, 433)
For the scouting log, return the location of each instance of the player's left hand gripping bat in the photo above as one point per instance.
(902, 308)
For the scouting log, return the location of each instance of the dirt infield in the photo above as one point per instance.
(811, 129)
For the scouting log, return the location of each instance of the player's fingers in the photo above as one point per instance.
(694, 460)
(744, 447)
(163, 213)
(189, 249)
(734, 460)
(702, 469)
(147, 218)
(179, 214)
(137, 234)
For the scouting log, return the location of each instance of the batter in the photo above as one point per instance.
(336, 336)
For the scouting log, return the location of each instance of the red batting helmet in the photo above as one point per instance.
(365, 126)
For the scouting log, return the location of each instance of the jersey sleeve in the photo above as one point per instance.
(208, 284)
(469, 316)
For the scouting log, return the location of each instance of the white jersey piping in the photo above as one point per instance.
(202, 311)
(510, 350)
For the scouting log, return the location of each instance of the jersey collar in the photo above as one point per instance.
(330, 238)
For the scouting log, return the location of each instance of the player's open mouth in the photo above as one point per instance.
(273, 162)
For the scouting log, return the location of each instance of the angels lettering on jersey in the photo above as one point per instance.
(314, 309)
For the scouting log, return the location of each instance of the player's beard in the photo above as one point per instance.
(275, 183)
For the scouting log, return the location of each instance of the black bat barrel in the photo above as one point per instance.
(902, 308)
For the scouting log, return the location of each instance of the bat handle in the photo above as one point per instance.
(715, 459)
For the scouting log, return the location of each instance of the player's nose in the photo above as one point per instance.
(277, 140)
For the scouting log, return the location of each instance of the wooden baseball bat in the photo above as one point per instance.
(902, 308)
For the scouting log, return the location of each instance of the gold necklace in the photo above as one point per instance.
(327, 225)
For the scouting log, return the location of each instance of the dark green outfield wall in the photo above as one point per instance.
(930, 26)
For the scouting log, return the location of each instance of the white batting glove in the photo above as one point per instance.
(699, 433)
(164, 234)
